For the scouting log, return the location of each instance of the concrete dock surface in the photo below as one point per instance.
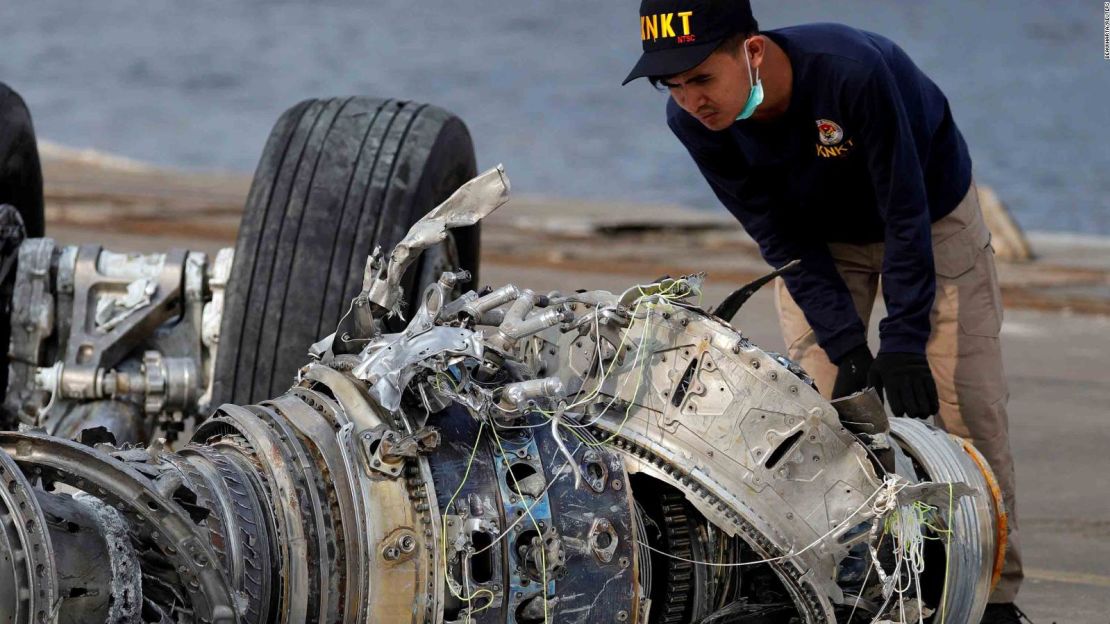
(1056, 334)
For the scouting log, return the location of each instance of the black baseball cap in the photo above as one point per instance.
(680, 34)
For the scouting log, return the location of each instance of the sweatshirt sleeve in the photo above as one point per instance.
(908, 276)
(816, 285)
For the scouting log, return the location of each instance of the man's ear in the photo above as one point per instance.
(757, 45)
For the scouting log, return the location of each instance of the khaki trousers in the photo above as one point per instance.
(963, 349)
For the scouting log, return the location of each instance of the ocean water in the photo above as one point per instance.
(198, 84)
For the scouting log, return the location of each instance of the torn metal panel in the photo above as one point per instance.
(389, 364)
(470, 203)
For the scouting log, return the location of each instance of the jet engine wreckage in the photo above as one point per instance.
(505, 456)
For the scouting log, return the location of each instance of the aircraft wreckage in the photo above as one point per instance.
(493, 455)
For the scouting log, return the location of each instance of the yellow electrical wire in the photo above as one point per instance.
(918, 512)
(443, 532)
(536, 525)
(666, 296)
(639, 381)
(947, 557)
(919, 515)
(612, 363)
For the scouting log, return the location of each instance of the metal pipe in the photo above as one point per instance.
(514, 394)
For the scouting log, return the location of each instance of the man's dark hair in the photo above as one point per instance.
(730, 45)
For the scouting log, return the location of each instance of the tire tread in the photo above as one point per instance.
(336, 178)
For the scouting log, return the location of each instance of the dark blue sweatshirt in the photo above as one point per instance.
(866, 152)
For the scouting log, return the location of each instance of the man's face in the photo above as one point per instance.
(715, 91)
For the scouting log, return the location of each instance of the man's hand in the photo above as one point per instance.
(852, 372)
(910, 389)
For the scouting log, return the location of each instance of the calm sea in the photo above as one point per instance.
(197, 84)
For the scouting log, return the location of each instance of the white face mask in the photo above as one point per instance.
(755, 96)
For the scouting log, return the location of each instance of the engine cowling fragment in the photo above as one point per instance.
(510, 457)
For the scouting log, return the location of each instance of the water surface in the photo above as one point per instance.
(198, 84)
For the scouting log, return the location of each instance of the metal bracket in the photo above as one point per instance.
(385, 450)
(395, 448)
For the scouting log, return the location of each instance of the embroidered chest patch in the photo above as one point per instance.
(831, 137)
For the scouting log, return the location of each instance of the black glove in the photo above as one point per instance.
(851, 374)
(910, 389)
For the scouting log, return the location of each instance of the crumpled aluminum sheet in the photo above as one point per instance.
(390, 363)
(471, 203)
